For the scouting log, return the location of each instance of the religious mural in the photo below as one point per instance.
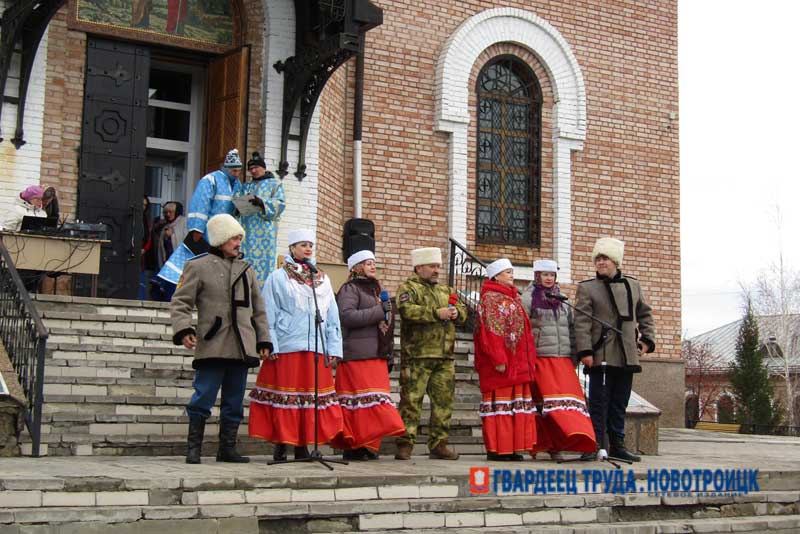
(181, 22)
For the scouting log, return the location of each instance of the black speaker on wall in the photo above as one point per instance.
(359, 234)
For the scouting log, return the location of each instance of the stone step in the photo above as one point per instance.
(789, 524)
(430, 508)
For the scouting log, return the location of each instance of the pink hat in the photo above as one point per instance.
(32, 191)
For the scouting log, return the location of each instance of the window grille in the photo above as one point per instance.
(509, 154)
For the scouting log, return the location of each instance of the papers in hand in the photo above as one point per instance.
(244, 205)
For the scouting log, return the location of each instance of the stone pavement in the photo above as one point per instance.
(123, 495)
(680, 448)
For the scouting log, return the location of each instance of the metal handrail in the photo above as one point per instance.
(24, 336)
(466, 275)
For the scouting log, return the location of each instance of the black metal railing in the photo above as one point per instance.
(467, 274)
(24, 336)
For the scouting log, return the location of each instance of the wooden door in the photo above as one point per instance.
(226, 114)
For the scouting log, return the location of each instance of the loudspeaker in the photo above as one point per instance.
(359, 234)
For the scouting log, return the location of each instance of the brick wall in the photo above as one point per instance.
(335, 167)
(624, 181)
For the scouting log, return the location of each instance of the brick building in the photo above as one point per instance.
(524, 129)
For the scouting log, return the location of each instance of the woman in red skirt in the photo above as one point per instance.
(362, 379)
(505, 358)
(282, 403)
(564, 423)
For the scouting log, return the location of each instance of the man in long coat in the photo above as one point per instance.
(231, 330)
(618, 300)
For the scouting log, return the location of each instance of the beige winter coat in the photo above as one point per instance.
(231, 319)
(620, 302)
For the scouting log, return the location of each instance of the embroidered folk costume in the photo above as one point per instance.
(282, 402)
(362, 379)
(562, 422)
(505, 359)
(259, 248)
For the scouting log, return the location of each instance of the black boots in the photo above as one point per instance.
(227, 443)
(197, 426)
(301, 452)
(617, 448)
(279, 454)
(513, 457)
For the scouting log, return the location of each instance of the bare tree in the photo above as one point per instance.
(704, 370)
(777, 293)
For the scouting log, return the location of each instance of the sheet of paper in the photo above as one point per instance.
(244, 206)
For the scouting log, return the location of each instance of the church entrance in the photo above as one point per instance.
(154, 123)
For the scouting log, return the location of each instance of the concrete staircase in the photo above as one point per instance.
(116, 385)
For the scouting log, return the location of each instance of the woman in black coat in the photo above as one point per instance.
(362, 379)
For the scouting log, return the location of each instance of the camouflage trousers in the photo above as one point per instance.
(433, 376)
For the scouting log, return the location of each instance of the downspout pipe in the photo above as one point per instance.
(357, 121)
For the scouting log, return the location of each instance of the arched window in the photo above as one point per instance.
(509, 153)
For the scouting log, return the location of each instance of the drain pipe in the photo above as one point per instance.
(357, 113)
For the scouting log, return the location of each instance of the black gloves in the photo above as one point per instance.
(255, 201)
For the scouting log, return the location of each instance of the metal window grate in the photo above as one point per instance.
(509, 153)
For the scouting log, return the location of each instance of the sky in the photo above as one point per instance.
(739, 84)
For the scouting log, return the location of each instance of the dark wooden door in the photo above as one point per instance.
(113, 146)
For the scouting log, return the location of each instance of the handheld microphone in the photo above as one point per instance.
(387, 306)
(311, 266)
(562, 298)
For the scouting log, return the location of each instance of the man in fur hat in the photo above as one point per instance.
(231, 330)
(427, 340)
(213, 195)
(618, 300)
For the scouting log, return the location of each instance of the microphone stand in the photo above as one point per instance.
(602, 453)
(315, 455)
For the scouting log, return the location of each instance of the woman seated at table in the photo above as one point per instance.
(29, 204)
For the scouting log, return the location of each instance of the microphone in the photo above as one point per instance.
(311, 266)
(562, 298)
(387, 306)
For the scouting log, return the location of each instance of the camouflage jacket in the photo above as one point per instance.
(422, 333)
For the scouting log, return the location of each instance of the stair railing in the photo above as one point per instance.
(24, 336)
(466, 276)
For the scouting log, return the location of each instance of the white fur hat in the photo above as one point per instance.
(497, 267)
(358, 257)
(425, 256)
(296, 236)
(545, 266)
(222, 227)
(609, 247)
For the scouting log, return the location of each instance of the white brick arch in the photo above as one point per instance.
(458, 55)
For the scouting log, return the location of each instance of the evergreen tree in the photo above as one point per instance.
(749, 377)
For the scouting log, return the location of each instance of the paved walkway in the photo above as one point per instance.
(680, 449)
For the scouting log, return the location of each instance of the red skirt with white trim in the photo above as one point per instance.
(564, 423)
(369, 414)
(282, 403)
(508, 420)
